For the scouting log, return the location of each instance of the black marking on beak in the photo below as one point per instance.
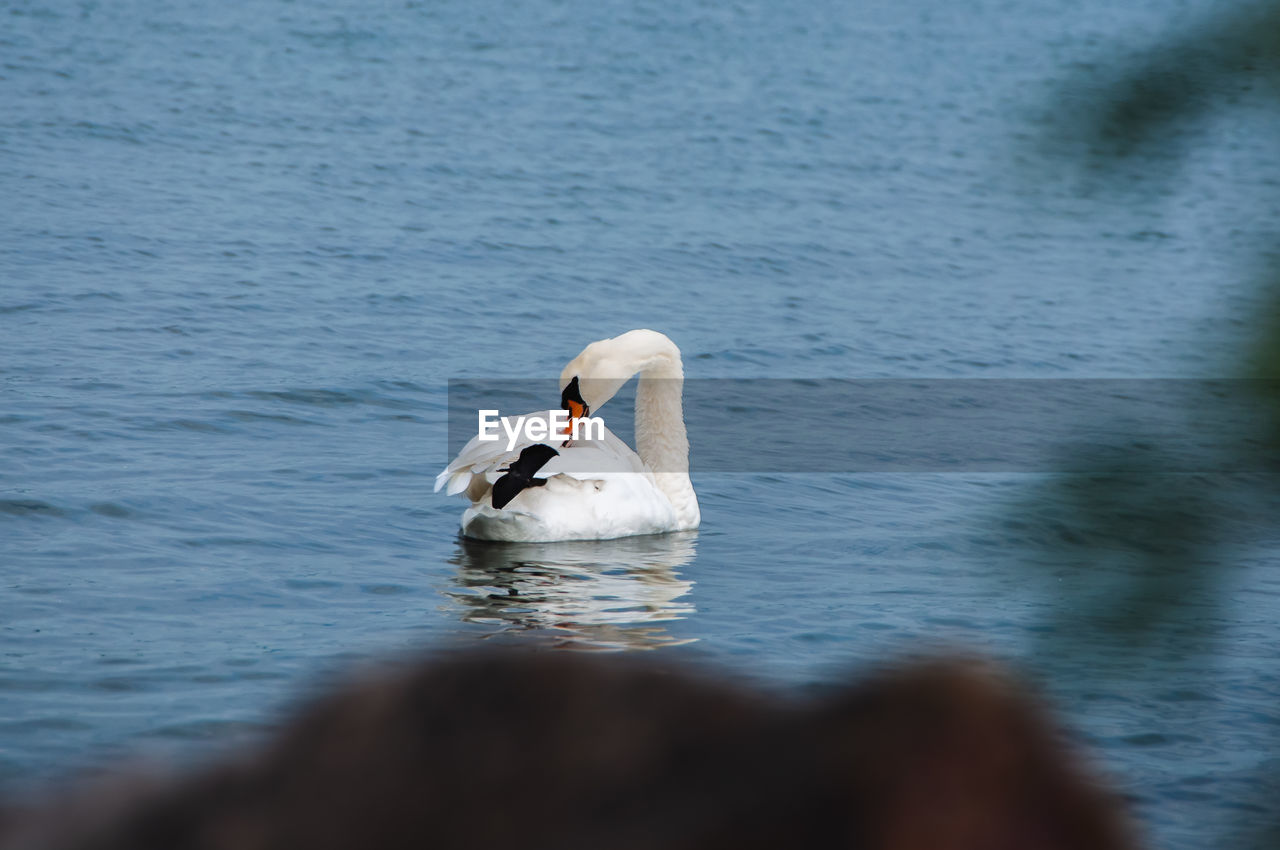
(519, 475)
(571, 400)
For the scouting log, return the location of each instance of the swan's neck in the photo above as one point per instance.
(661, 439)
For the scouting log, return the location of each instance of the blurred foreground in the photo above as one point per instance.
(517, 748)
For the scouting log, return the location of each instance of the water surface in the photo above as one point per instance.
(247, 247)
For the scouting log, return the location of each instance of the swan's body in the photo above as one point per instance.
(595, 489)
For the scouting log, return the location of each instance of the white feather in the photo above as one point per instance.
(596, 489)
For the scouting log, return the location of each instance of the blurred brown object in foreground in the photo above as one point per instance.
(560, 750)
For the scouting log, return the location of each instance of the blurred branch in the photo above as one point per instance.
(1136, 552)
(1152, 103)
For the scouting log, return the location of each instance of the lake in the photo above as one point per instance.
(248, 247)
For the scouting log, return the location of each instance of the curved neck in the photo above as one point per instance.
(661, 439)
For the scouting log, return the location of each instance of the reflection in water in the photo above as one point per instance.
(599, 594)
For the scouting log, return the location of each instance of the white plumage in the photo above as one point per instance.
(596, 489)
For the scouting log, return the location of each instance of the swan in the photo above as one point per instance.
(593, 489)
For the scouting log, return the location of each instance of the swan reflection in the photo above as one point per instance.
(601, 594)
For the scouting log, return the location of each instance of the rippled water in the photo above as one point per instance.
(246, 248)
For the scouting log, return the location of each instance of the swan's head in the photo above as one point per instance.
(591, 379)
(596, 375)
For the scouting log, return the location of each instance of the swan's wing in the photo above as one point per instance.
(580, 460)
(589, 460)
(480, 455)
(604, 505)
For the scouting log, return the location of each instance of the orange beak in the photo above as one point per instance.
(572, 401)
(577, 410)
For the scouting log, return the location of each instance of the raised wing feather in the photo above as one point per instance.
(581, 460)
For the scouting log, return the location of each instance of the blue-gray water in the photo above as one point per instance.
(246, 245)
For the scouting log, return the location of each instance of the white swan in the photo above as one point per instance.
(592, 489)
